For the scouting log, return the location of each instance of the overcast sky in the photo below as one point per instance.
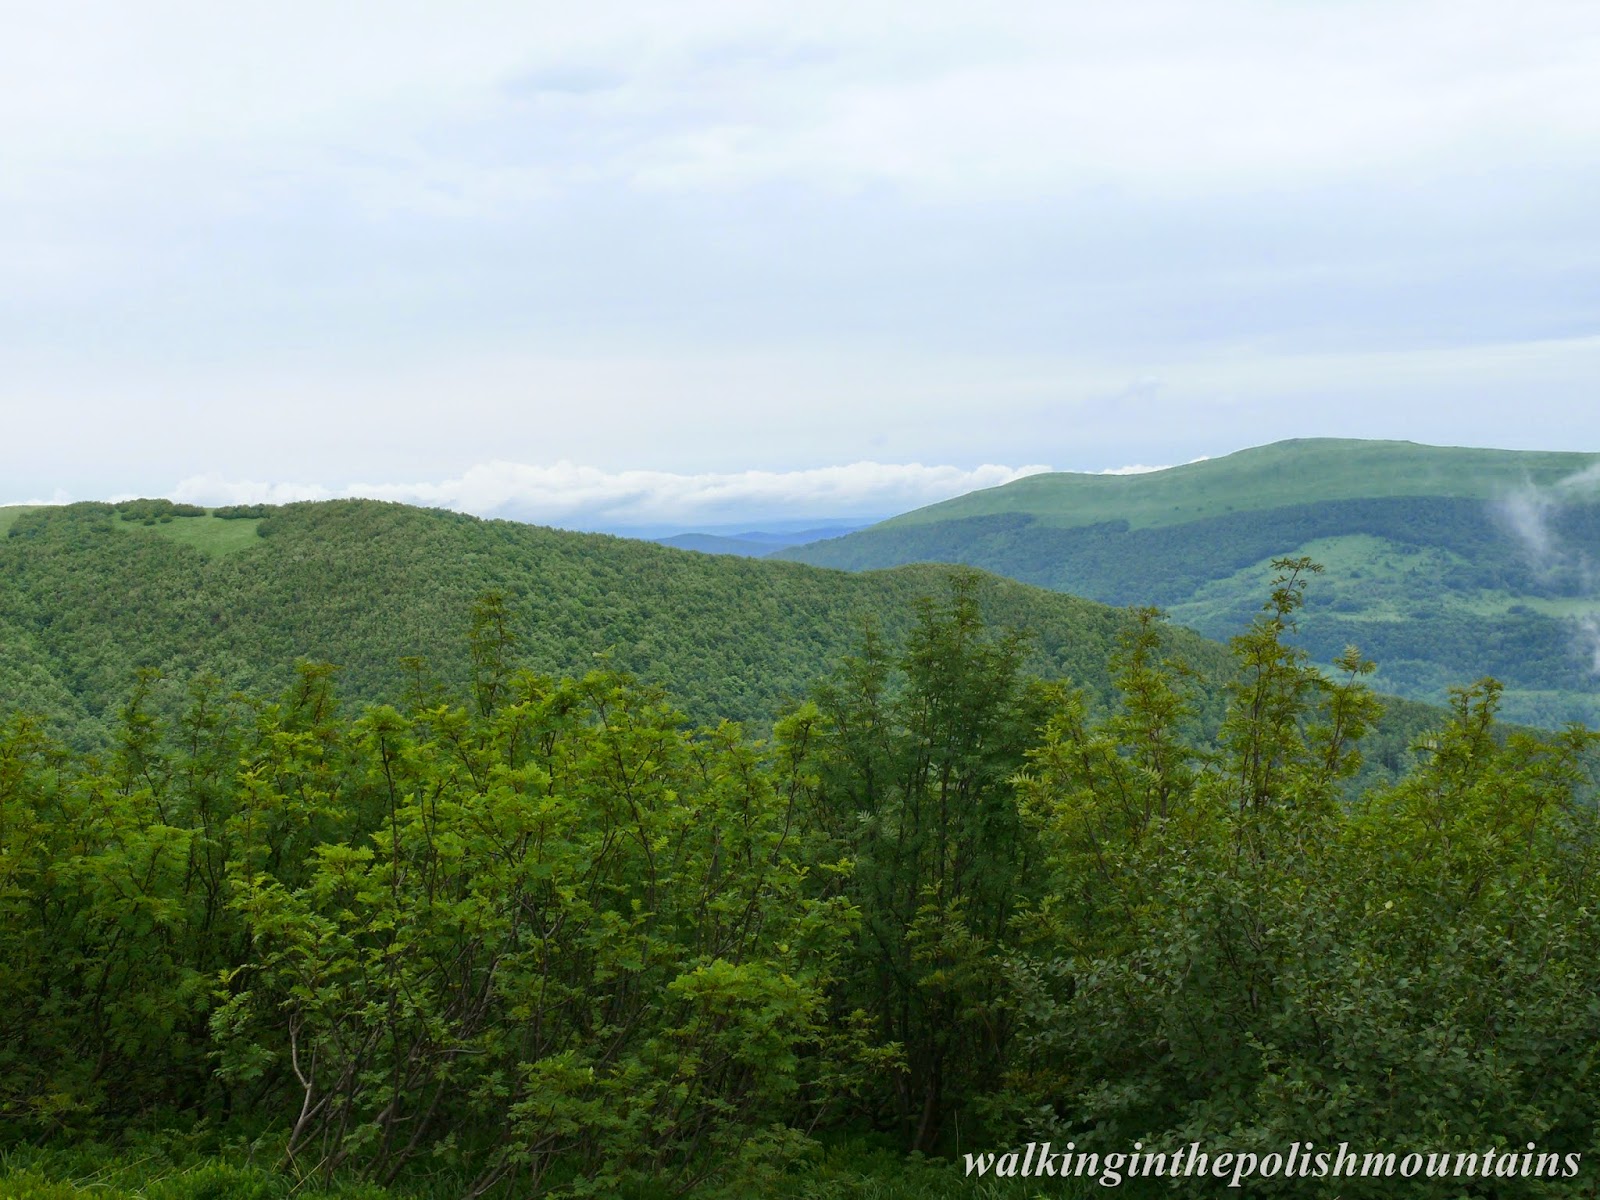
(704, 261)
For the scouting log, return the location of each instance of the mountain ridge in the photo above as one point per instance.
(88, 597)
(1299, 470)
(1446, 563)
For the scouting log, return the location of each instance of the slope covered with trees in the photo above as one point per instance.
(536, 936)
(89, 594)
(1429, 573)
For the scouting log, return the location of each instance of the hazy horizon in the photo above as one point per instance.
(844, 260)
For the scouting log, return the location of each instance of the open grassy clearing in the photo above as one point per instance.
(1381, 595)
(9, 514)
(1370, 578)
(1501, 603)
(1365, 578)
(211, 535)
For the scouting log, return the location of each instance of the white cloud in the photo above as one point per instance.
(1526, 513)
(1529, 513)
(1167, 95)
(478, 106)
(370, 241)
(60, 496)
(567, 493)
(1583, 484)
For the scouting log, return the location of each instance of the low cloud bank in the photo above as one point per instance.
(569, 494)
(1530, 514)
(60, 496)
(1142, 469)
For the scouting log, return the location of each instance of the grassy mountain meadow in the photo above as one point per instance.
(1444, 564)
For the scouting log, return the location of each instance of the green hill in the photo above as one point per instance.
(1302, 471)
(1425, 573)
(88, 596)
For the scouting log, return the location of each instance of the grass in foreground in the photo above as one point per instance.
(167, 1169)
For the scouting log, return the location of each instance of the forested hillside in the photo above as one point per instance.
(1445, 564)
(387, 849)
(89, 593)
(532, 937)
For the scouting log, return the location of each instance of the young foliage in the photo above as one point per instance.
(1236, 950)
(913, 777)
(575, 950)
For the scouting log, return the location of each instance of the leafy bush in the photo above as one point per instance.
(542, 936)
(1229, 954)
(148, 511)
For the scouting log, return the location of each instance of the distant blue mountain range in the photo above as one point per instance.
(757, 543)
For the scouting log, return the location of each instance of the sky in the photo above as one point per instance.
(715, 261)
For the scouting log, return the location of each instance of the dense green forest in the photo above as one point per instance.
(513, 933)
(89, 593)
(1435, 586)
